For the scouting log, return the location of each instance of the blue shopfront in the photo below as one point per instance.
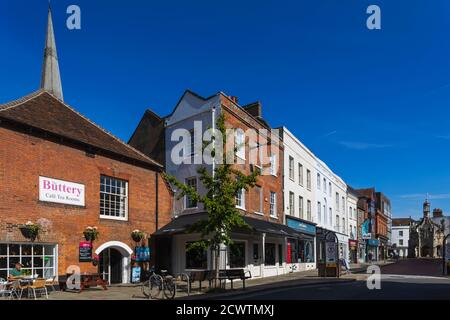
(372, 249)
(301, 249)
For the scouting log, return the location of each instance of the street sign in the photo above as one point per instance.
(331, 252)
(447, 252)
(85, 252)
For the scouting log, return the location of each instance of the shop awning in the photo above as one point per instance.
(184, 222)
(180, 224)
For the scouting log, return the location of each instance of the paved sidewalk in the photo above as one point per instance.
(133, 291)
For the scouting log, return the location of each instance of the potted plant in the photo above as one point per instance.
(95, 260)
(91, 233)
(137, 235)
(30, 230)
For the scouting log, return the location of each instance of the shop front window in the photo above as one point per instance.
(36, 259)
(306, 248)
(292, 251)
(196, 258)
(270, 254)
(255, 252)
(237, 255)
(280, 255)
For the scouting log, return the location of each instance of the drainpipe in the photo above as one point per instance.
(156, 200)
(213, 115)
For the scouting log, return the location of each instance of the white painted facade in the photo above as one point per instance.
(352, 202)
(400, 238)
(192, 108)
(297, 156)
(352, 213)
(331, 196)
(299, 186)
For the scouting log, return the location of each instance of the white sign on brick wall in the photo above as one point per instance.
(59, 191)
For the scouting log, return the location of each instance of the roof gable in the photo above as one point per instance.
(43, 111)
(190, 104)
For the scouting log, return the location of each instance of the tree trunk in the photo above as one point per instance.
(217, 258)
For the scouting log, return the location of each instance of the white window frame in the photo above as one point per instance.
(318, 181)
(54, 255)
(300, 174)
(337, 201)
(308, 210)
(273, 204)
(291, 203)
(308, 179)
(319, 212)
(273, 164)
(239, 139)
(186, 198)
(241, 196)
(261, 204)
(291, 168)
(126, 196)
(300, 207)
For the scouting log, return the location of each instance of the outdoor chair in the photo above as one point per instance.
(39, 286)
(17, 289)
(4, 291)
(52, 282)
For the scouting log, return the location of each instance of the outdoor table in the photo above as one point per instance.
(92, 280)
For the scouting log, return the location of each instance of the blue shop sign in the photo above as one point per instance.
(301, 226)
(373, 242)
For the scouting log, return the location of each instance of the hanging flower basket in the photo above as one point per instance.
(91, 233)
(30, 230)
(137, 235)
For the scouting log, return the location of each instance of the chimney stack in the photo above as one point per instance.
(234, 99)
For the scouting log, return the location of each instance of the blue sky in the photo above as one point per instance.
(374, 105)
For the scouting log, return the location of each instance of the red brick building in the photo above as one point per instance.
(261, 250)
(43, 137)
(64, 173)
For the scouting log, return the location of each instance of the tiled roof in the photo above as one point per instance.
(43, 111)
(400, 222)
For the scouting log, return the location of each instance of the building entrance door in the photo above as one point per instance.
(425, 252)
(111, 265)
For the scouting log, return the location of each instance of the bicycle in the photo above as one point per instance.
(156, 283)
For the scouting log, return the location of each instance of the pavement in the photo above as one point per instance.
(298, 285)
(412, 279)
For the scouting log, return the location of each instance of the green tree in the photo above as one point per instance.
(219, 201)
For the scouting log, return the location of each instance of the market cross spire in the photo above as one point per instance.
(51, 78)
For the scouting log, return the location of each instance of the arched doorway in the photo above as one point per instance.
(114, 264)
(425, 251)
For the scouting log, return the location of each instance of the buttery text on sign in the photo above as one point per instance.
(59, 191)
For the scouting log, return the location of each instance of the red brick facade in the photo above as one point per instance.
(25, 157)
(236, 117)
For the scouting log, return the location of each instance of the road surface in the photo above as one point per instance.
(408, 279)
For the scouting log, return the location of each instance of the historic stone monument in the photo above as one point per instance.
(427, 234)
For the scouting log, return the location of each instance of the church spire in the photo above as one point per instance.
(426, 207)
(51, 79)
